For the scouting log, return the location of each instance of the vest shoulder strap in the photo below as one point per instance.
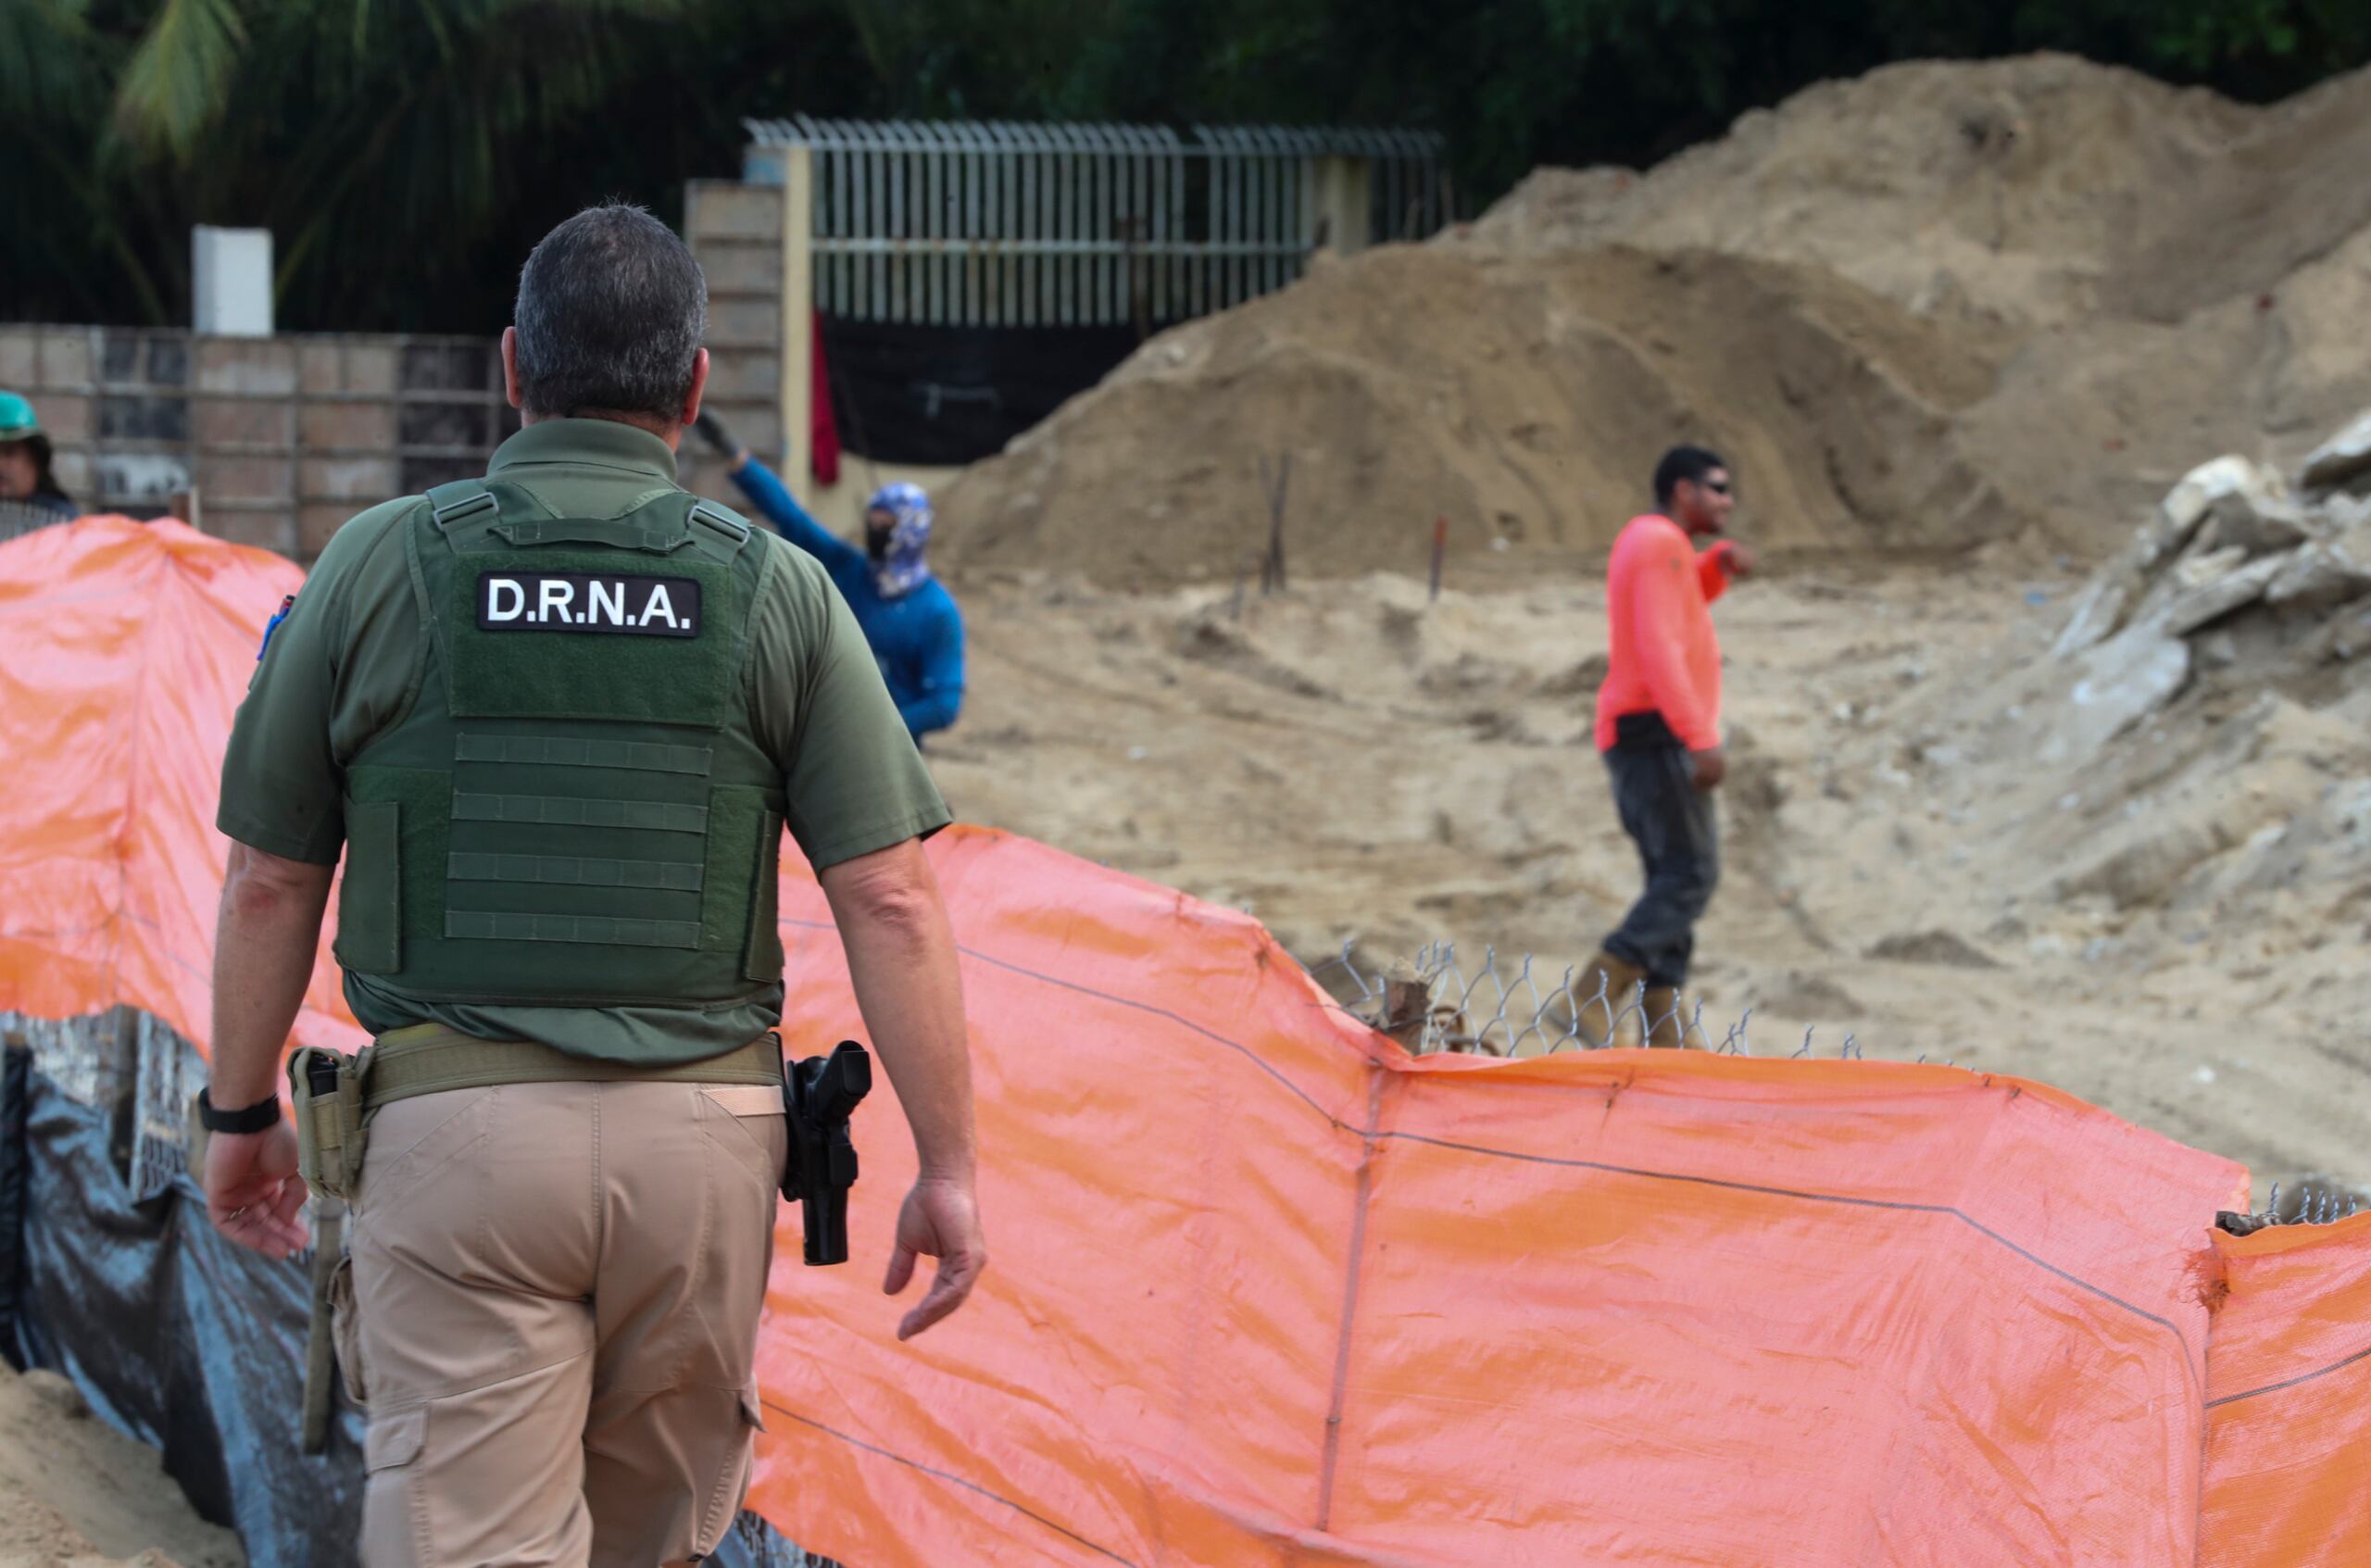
(658, 525)
(462, 498)
(716, 520)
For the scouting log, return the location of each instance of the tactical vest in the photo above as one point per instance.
(575, 811)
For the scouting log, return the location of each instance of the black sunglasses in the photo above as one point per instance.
(1717, 487)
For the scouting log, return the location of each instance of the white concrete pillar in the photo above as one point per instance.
(1344, 188)
(231, 282)
(798, 319)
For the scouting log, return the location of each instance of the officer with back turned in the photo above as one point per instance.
(556, 721)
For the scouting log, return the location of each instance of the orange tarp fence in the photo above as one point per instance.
(1266, 1290)
(2288, 1400)
(124, 650)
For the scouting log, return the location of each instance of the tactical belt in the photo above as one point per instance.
(337, 1095)
(429, 1059)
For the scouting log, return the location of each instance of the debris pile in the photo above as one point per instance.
(2235, 569)
(2191, 753)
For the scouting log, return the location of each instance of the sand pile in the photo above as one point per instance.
(2165, 271)
(1522, 397)
(1931, 305)
(75, 1493)
(2027, 192)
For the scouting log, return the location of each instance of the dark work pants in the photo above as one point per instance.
(1673, 823)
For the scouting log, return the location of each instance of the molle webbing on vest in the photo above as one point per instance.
(559, 810)
(574, 812)
(551, 751)
(608, 931)
(677, 876)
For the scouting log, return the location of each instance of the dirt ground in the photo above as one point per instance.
(1355, 766)
(1959, 328)
(75, 1493)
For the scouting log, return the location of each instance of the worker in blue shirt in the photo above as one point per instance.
(907, 615)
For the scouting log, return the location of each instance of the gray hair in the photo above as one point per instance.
(611, 314)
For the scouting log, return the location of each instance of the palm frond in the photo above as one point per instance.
(178, 81)
(52, 63)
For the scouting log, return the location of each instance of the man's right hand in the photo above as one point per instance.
(1708, 767)
(941, 1220)
(253, 1193)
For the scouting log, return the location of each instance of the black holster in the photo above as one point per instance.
(819, 1095)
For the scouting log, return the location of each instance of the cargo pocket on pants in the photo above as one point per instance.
(395, 1533)
(391, 1442)
(733, 1481)
(346, 1333)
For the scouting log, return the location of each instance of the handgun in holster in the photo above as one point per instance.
(819, 1095)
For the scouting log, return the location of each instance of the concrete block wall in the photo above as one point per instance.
(282, 439)
(735, 229)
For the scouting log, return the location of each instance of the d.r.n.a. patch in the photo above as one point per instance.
(583, 601)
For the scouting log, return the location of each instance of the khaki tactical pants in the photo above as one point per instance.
(552, 1314)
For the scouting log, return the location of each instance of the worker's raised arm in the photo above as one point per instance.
(773, 500)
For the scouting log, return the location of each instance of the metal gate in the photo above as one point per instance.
(977, 223)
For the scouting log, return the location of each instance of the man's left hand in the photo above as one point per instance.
(1740, 563)
(253, 1193)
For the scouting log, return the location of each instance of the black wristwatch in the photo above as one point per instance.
(255, 1118)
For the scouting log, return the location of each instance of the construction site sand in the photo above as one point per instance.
(2173, 929)
(1959, 327)
(75, 1493)
(1937, 306)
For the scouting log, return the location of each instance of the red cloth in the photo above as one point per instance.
(822, 430)
(1663, 655)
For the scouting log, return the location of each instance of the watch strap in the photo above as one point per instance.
(255, 1118)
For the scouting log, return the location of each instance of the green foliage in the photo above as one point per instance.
(175, 81)
(405, 152)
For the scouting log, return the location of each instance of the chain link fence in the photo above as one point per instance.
(1438, 1002)
(20, 518)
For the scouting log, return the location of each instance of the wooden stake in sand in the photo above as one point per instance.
(1440, 555)
(1271, 570)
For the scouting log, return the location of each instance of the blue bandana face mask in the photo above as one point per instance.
(904, 565)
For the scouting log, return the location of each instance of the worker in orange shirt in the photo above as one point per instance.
(1659, 728)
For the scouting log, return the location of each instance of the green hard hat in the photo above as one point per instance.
(17, 421)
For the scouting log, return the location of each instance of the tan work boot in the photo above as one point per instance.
(1670, 1021)
(1605, 994)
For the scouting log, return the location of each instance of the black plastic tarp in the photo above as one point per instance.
(906, 392)
(182, 1340)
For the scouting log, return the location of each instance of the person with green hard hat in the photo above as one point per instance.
(556, 721)
(25, 479)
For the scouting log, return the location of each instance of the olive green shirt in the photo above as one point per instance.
(352, 653)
